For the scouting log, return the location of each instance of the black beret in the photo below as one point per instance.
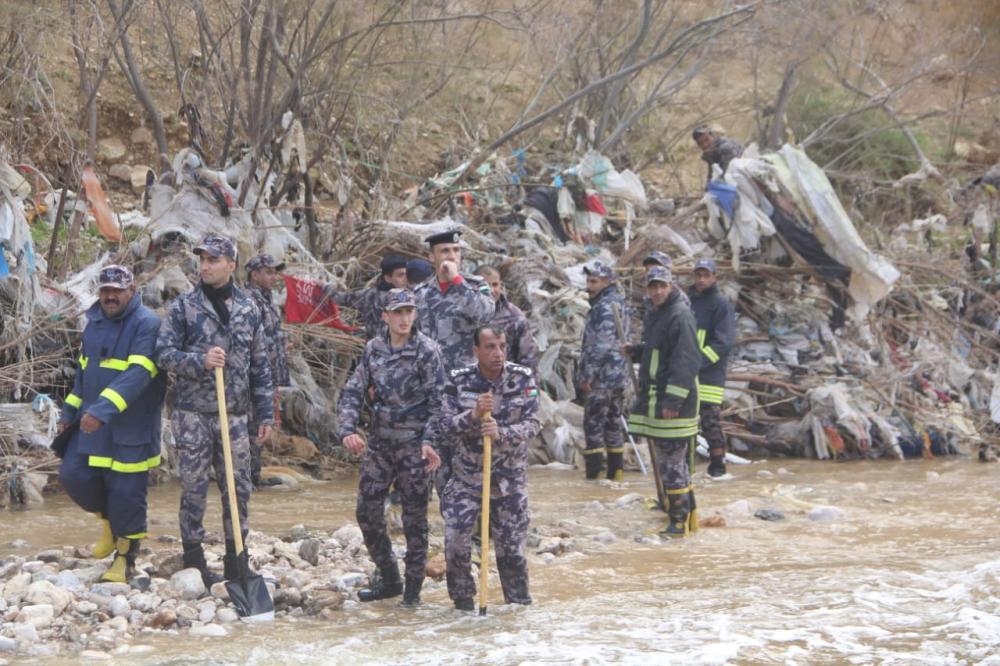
(392, 262)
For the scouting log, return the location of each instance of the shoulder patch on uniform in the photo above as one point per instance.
(458, 372)
(523, 369)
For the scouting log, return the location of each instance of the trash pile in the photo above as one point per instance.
(839, 354)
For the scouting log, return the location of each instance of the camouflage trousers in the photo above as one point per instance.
(385, 462)
(198, 439)
(509, 517)
(672, 459)
(711, 427)
(443, 472)
(256, 448)
(602, 421)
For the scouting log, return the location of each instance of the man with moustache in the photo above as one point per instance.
(215, 325)
(113, 412)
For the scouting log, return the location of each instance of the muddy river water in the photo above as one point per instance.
(909, 573)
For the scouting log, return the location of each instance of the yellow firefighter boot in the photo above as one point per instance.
(124, 562)
(106, 544)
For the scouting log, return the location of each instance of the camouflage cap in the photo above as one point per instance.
(215, 245)
(396, 299)
(659, 274)
(599, 269)
(263, 260)
(115, 276)
(657, 257)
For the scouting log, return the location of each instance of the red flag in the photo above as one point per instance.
(306, 303)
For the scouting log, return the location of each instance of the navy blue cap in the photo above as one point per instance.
(657, 257)
(418, 270)
(216, 246)
(263, 260)
(706, 264)
(443, 237)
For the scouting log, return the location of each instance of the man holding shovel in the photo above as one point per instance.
(401, 378)
(215, 325)
(499, 400)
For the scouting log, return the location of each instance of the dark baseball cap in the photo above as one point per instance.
(705, 264)
(264, 260)
(396, 299)
(215, 245)
(115, 276)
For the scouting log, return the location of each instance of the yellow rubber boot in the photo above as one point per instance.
(121, 567)
(106, 544)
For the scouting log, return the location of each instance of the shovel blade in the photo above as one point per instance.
(251, 599)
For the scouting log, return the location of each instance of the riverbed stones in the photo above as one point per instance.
(436, 567)
(169, 563)
(7, 644)
(226, 616)
(119, 606)
(826, 514)
(32, 566)
(220, 591)
(206, 611)
(296, 533)
(628, 500)
(309, 551)
(348, 535)
(38, 615)
(320, 600)
(769, 514)
(109, 589)
(164, 619)
(209, 631)
(44, 592)
(187, 584)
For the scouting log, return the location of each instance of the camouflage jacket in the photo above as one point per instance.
(450, 317)
(190, 329)
(521, 348)
(516, 413)
(274, 338)
(368, 303)
(602, 363)
(406, 387)
(722, 152)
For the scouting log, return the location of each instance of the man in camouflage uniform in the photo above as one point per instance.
(263, 273)
(603, 372)
(111, 419)
(521, 348)
(400, 378)
(713, 314)
(507, 392)
(368, 300)
(215, 325)
(666, 403)
(450, 307)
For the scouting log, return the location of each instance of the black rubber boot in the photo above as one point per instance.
(594, 465)
(615, 465)
(194, 558)
(383, 584)
(230, 565)
(677, 524)
(411, 592)
(465, 605)
(717, 464)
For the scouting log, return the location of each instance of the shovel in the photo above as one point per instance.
(484, 534)
(248, 592)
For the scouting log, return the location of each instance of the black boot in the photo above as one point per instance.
(677, 525)
(717, 463)
(411, 592)
(383, 584)
(465, 605)
(230, 565)
(194, 558)
(616, 461)
(594, 464)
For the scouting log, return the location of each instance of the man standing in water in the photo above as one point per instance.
(716, 331)
(263, 273)
(499, 400)
(114, 410)
(401, 377)
(215, 325)
(603, 373)
(450, 307)
(666, 405)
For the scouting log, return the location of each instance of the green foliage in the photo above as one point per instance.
(867, 142)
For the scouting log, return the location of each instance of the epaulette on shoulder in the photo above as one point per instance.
(523, 369)
(458, 372)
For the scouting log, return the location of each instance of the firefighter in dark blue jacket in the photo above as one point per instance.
(713, 314)
(114, 408)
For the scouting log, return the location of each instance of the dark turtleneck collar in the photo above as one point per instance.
(218, 296)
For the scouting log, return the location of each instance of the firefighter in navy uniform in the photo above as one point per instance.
(713, 314)
(114, 408)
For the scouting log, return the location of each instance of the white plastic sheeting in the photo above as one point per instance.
(751, 218)
(872, 276)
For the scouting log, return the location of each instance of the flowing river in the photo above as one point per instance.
(908, 574)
